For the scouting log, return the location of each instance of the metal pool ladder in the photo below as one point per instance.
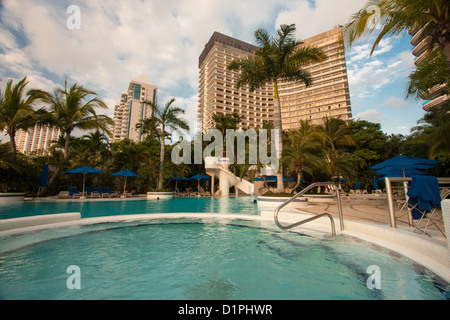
(316, 184)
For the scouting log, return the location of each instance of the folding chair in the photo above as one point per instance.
(424, 200)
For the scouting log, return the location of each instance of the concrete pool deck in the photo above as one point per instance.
(367, 220)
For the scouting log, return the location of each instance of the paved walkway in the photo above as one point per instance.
(366, 210)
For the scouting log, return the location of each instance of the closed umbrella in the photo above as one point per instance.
(83, 170)
(125, 173)
(375, 183)
(43, 178)
(357, 186)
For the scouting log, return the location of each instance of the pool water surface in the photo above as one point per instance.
(200, 259)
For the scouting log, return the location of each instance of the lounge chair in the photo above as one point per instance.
(203, 193)
(74, 193)
(445, 192)
(77, 195)
(115, 194)
(95, 194)
(106, 192)
(64, 195)
(424, 200)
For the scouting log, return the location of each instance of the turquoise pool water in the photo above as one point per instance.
(89, 209)
(198, 259)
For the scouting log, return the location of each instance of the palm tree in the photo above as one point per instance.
(334, 135)
(223, 122)
(167, 117)
(70, 109)
(278, 59)
(16, 111)
(398, 16)
(96, 144)
(302, 152)
(148, 127)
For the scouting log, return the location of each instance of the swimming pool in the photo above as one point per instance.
(89, 209)
(204, 259)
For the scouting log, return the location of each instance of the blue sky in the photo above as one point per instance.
(119, 40)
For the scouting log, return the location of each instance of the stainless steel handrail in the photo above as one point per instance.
(316, 184)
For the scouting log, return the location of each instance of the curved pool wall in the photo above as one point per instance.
(433, 255)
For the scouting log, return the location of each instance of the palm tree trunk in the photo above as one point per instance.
(12, 138)
(299, 179)
(277, 125)
(161, 160)
(66, 158)
(66, 148)
(447, 53)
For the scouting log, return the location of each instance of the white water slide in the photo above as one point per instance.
(218, 168)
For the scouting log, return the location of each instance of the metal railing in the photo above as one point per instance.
(316, 184)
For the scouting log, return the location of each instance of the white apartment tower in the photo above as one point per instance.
(132, 108)
(37, 139)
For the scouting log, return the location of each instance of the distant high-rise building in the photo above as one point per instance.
(328, 96)
(435, 96)
(36, 139)
(134, 106)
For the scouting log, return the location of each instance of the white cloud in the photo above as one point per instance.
(396, 102)
(318, 17)
(368, 76)
(371, 115)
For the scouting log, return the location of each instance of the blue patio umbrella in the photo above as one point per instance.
(405, 162)
(357, 186)
(199, 177)
(125, 173)
(83, 170)
(177, 178)
(399, 172)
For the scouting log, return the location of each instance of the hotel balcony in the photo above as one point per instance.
(433, 92)
(427, 105)
(418, 60)
(421, 47)
(416, 38)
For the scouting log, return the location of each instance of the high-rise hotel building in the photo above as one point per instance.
(218, 93)
(134, 106)
(36, 139)
(436, 96)
(327, 96)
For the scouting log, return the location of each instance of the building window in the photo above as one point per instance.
(136, 92)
